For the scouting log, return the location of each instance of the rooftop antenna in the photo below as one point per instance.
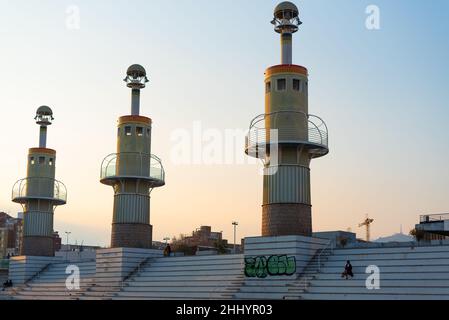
(367, 222)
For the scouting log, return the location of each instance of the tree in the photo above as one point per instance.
(417, 234)
(343, 241)
(220, 245)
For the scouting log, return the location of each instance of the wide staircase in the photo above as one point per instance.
(420, 272)
(406, 273)
(50, 283)
(197, 277)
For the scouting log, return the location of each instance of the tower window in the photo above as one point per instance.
(281, 84)
(268, 87)
(118, 132)
(32, 160)
(41, 160)
(127, 131)
(50, 162)
(148, 132)
(139, 131)
(297, 85)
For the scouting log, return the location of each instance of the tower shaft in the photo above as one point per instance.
(38, 207)
(43, 137)
(286, 48)
(286, 208)
(131, 217)
(135, 102)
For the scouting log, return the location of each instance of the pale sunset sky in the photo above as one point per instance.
(383, 94)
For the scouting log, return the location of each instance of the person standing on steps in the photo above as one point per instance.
(167, 251)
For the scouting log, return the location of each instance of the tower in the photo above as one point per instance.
(39, 193)
(133, 171)
(286, 138)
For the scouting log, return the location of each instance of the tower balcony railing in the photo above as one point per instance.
(428, 218)
(287, 127)
(39, 188)
(132, 165)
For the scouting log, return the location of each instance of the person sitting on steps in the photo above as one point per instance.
(7, 284)
(348, 271)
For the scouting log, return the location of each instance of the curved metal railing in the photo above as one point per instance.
(134, 165)
(39, 188)
(292, 127)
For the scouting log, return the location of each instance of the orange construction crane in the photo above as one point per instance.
(367, 222)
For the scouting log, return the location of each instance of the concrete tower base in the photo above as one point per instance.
(286, 220)
(131, 235)
(38, 246)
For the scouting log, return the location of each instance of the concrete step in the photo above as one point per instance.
(178, 284)
(390, 262)
(189, 278)
(154, 289)
(259, 295)
(391, 250)
(390, 256)
(382, 290)
(150, 272)
(389, 269)
(391, 276)
(186, 295)
(396, 283)
(196, 268)
(369, 296)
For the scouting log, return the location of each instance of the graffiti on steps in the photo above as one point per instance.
(263, 266)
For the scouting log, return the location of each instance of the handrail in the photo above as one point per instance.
(39, 187)
(150, 166)
(316, 131)
(135, 271)
(37, 274)
(328, 245)
(434, 217)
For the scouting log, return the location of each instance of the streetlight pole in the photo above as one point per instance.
(235, 224)
(67, 243)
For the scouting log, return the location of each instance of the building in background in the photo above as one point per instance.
(10, 235)
(203, 238)
(3, 242)
(57, 241)
(432, 227)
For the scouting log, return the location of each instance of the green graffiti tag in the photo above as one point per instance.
(262, 266)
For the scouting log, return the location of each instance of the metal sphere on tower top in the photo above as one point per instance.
(44, 116)
(136, 77)
(286, 18)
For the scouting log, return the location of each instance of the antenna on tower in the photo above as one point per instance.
(44, 117)
(136, 78)
(286, 22)
(367, 222)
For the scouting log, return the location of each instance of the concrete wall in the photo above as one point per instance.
(23, 268)
(114, 264)
(75, 256)
(302, 248)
